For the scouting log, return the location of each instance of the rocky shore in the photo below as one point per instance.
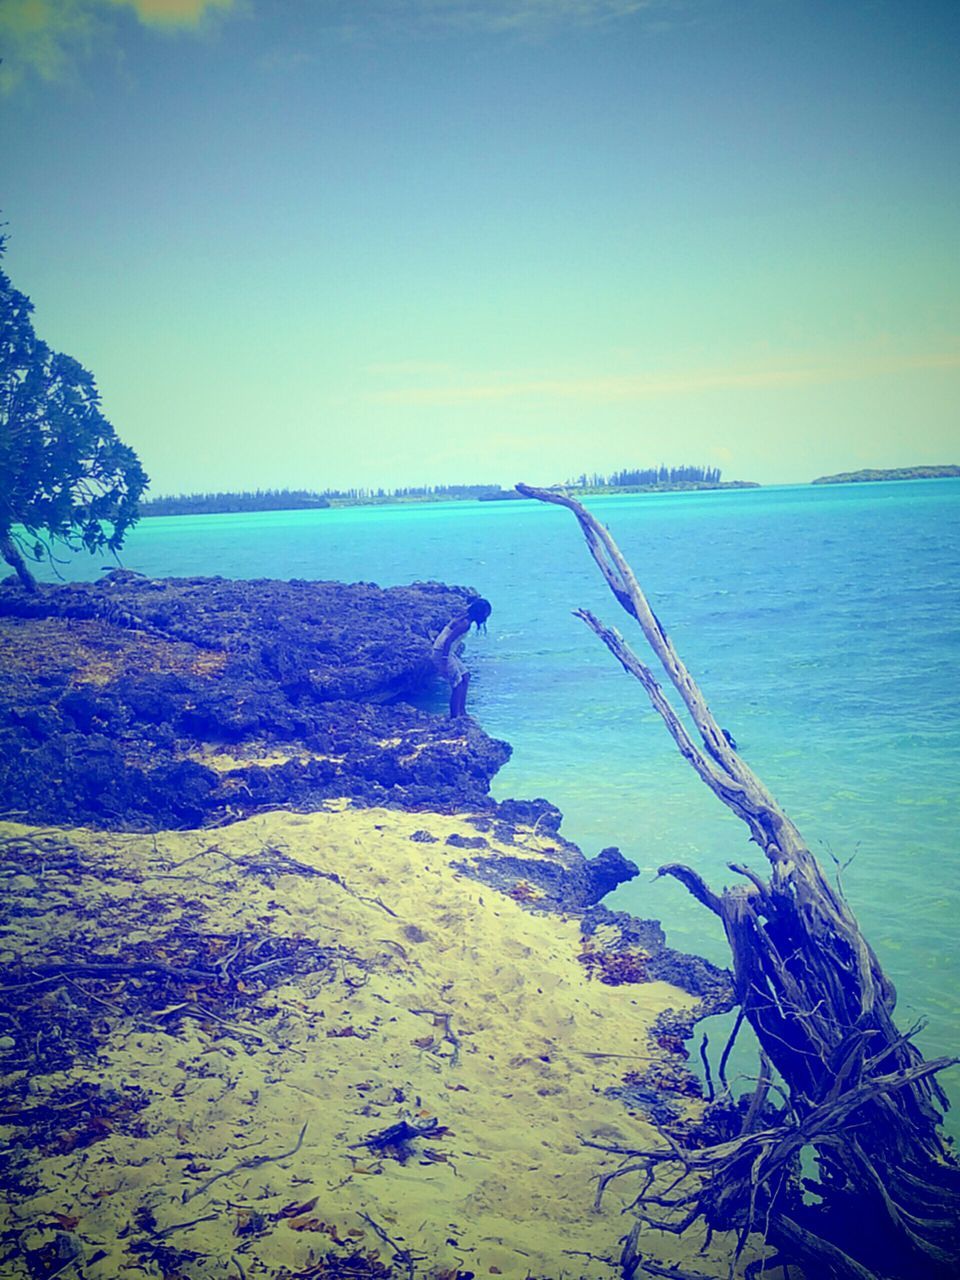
(247, 887)
(147, 704)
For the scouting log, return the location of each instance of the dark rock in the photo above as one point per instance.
(466, 842)
(558, 889)
(608, 869)
(543, 815)
(565, 882)
(647, 934)
(120, 694)
(691, 973)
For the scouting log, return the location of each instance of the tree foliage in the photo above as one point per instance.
(426, 491)
(194, 504)
(64, 474)
(661, 475)
(308, 499)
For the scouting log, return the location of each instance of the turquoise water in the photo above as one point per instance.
(821, 622)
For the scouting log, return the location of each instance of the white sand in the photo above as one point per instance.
(449, 1001)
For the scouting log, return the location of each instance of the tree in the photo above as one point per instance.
(64, 474)
(858, 1097)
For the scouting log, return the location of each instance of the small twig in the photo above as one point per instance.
(189, 1009)
(253, 1163)
(182, 1226)
(259, 968)
(70, 1262)
(606, 1178)
(90, 996)
(201, 853)
(533, 833)
(285, 865)
(377, 902)
(223, 966)
(671, 1273)
(443, 1019)
(403, 1255)
(105, 968)
(634, 1057)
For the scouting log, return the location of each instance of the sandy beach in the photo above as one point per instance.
(285, 992)
(224, 1128)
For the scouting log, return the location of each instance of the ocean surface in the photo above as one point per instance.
(822, 624)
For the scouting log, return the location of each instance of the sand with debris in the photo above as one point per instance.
(235, 1131)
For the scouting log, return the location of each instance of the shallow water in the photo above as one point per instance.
(821, 622)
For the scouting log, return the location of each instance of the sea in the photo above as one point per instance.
(821, 622)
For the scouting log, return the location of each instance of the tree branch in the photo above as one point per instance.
(858, 1092)
(743, 790)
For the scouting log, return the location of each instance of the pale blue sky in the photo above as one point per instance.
(423, 241)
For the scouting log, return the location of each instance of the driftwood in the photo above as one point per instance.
(397, 1140)
(859, 1100)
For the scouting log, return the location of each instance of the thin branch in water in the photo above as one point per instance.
(711, 1093)
(728, 1048)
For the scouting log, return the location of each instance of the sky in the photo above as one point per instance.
(338, 243)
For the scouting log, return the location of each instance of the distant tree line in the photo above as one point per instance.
(647, 475)
(300, 499)
(186, 504)
(414, 491)
(892, 473)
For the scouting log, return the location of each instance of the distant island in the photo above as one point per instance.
(648, 480)
(599, 491)
(193, 504)
(199, 504)
(893, 473)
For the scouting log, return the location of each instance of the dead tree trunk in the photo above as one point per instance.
(858, 1092)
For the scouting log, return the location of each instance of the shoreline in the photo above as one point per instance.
(351, 906)
(331, 975)
(332, 503)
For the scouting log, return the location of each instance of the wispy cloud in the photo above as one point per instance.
(522, 18)
(601, 389)
(47, 38)
(527, 15)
